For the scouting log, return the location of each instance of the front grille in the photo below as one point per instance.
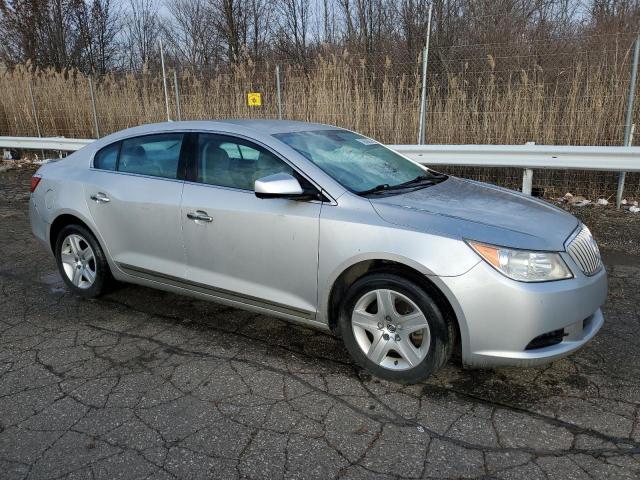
(584, 251)
(546, 339)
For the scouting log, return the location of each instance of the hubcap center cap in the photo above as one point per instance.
(391, 327)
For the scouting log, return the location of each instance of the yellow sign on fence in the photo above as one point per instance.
(254, 99)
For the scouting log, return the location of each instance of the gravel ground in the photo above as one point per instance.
(615, 230)
(146, 384)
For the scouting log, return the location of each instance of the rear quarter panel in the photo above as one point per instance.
(61, 191)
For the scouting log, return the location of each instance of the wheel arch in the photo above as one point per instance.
(65, 219)
(364, 267)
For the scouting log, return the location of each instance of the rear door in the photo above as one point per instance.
(242, 248)
(134, 191)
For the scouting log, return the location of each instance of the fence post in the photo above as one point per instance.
(423, 96)
(278, 92)
(175, 84)
(33, 110)
(93, 104)
(35, 113)
(628, 135)
(164, 81)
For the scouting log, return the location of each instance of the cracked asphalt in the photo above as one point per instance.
(146, 384)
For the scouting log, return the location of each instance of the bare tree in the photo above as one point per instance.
(191, 32)
(369, 24)
(261, 16)
(328, 22)
(413, 17)
(142, 32)
(292, 36)
(615, 15)
(231, 20)
(98, 26)
(41, 31)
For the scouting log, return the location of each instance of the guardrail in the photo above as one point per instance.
(527, 157)
(61, 144)
(619, 159)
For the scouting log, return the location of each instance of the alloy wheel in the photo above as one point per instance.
(390, 329)
(78, 261)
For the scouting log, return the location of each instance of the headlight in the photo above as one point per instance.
(523, 265)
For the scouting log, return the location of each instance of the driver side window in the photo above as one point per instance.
(232, 162)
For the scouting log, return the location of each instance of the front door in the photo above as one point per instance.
(134, 195)
(240, 247)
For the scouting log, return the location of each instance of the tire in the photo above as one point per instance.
(366, 341)
(78, 245)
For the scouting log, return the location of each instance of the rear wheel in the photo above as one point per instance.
(81, 261)
(394, 329)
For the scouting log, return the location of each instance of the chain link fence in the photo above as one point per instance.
(569, 91)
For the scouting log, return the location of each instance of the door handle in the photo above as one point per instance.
(199, 215)
(100, 198)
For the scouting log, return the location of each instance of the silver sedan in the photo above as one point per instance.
(327, 228)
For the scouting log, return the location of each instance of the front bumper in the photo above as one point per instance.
(499, 317)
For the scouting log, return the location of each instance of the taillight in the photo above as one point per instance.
(35, 180)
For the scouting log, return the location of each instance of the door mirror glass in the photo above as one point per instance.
(278, 185)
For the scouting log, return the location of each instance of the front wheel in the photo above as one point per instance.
(394, 329)
(81, 261)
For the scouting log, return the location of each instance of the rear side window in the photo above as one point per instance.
(107, 158)
(154, 155)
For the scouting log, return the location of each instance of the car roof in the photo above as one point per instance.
(264, 127)
(276, 126)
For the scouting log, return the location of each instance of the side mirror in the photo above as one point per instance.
(280, 185)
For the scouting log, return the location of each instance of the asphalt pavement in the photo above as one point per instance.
(146, 384)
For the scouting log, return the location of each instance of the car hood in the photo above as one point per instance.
(472, 210)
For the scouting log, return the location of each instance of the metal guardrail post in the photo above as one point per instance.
(93, 105)
(278, 92)
(423, 95)
(164, 82)
(527, 177)
(175, 85)
(628, 135)
(527, 181)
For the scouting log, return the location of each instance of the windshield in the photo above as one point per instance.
(358, 163)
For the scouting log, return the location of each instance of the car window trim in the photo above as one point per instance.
(118, 157)
(188, 149)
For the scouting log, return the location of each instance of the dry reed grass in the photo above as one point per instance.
(581, 106)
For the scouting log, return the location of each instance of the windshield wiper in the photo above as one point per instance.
(378, 188)
(420, 180)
